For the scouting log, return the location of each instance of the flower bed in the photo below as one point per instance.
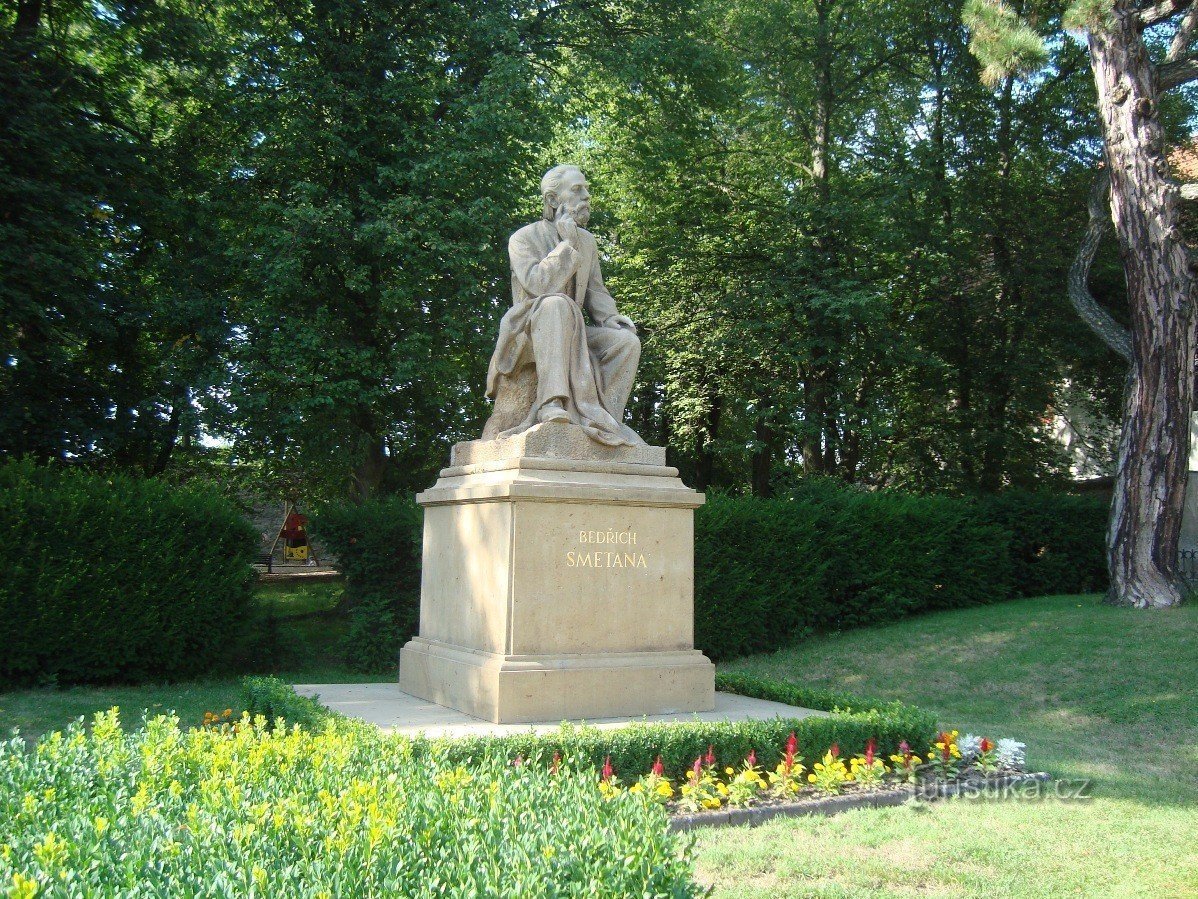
(710, 787)
(240, 809)
(636, 747)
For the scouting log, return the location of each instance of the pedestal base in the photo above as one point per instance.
(532, 689)
(558, 588)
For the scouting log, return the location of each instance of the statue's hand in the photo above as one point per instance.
(620, 321)
(567, 228)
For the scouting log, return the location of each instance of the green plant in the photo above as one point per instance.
(830, 774)
(701, 790)
(638, 746)
(1056, 539)
(787, 778)
(116, 578)
(906, 763)
(987, 757)
(944, 758)
(343, 811)
(770, 571)
(867, 770)
(745, 785)
(377, 544)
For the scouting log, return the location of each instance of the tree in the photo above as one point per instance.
(1160, 345)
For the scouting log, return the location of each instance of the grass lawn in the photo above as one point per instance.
(305, 652)
(1096, 692)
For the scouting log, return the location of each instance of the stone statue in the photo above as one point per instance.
(549, 364)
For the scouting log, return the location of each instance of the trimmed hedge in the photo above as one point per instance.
(378, 544)
(1057, 541)
(633, 749)
(770, 571)
(114, 578)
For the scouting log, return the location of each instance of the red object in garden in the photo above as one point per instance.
(294, 528)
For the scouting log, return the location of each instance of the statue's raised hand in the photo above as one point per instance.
(567, 228)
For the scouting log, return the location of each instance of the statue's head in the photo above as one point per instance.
(565, 186)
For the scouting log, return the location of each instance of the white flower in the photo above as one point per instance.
(1011, 755)
(969, 746)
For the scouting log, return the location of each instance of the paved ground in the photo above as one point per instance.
(386, 706)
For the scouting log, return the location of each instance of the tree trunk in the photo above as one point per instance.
(767, 445)
(1150, 478)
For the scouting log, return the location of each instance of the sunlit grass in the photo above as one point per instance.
(1097, 692)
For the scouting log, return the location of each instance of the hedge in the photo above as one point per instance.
(255, 811)
(115, 578)
(633, 749)
(769, 572)
(378, 545)
(1057, 541)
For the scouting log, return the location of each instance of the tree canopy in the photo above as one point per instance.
(283, 225)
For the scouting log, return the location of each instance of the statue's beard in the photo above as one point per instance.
(580, 212)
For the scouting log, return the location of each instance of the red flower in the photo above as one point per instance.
(556, 764)
(985, 745)
(697, 769)
(905, 749)
(518, 760)
(871, 747)
(835, 750)
(751, 761)
(709, 759)
(659, 770)
(792, 746)
(608, 771)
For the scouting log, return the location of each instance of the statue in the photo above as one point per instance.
(549, 364)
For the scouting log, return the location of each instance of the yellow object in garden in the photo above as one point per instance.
(295, 553)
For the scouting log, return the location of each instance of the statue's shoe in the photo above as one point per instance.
(553, 412)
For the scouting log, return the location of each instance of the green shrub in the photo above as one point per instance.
(273, 699)
(1058, 541)
(334, 812)
(633, 749)
(770, 571)
(115, 578)
(378, 544)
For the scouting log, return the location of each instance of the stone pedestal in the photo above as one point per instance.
(558, 583)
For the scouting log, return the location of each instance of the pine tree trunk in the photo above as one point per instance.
(1150, 478)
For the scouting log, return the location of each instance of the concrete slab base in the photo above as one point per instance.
(390, 709)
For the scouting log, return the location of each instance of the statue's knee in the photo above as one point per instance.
(556, 303)
(630, 343)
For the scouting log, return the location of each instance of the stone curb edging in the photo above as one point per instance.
(834, 805)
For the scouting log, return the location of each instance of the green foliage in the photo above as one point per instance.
(1057, 540)
(251, 811)
(116, 578)
(273, 699)
(1001, 40)
(770, 571)
(633, 749)
(378, 545)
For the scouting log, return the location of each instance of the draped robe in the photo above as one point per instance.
(589, 369)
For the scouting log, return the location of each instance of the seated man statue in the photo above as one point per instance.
(549, 364)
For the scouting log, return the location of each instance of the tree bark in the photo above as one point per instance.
(1150, 478)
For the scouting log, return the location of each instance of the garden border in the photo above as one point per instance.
(754, 816)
